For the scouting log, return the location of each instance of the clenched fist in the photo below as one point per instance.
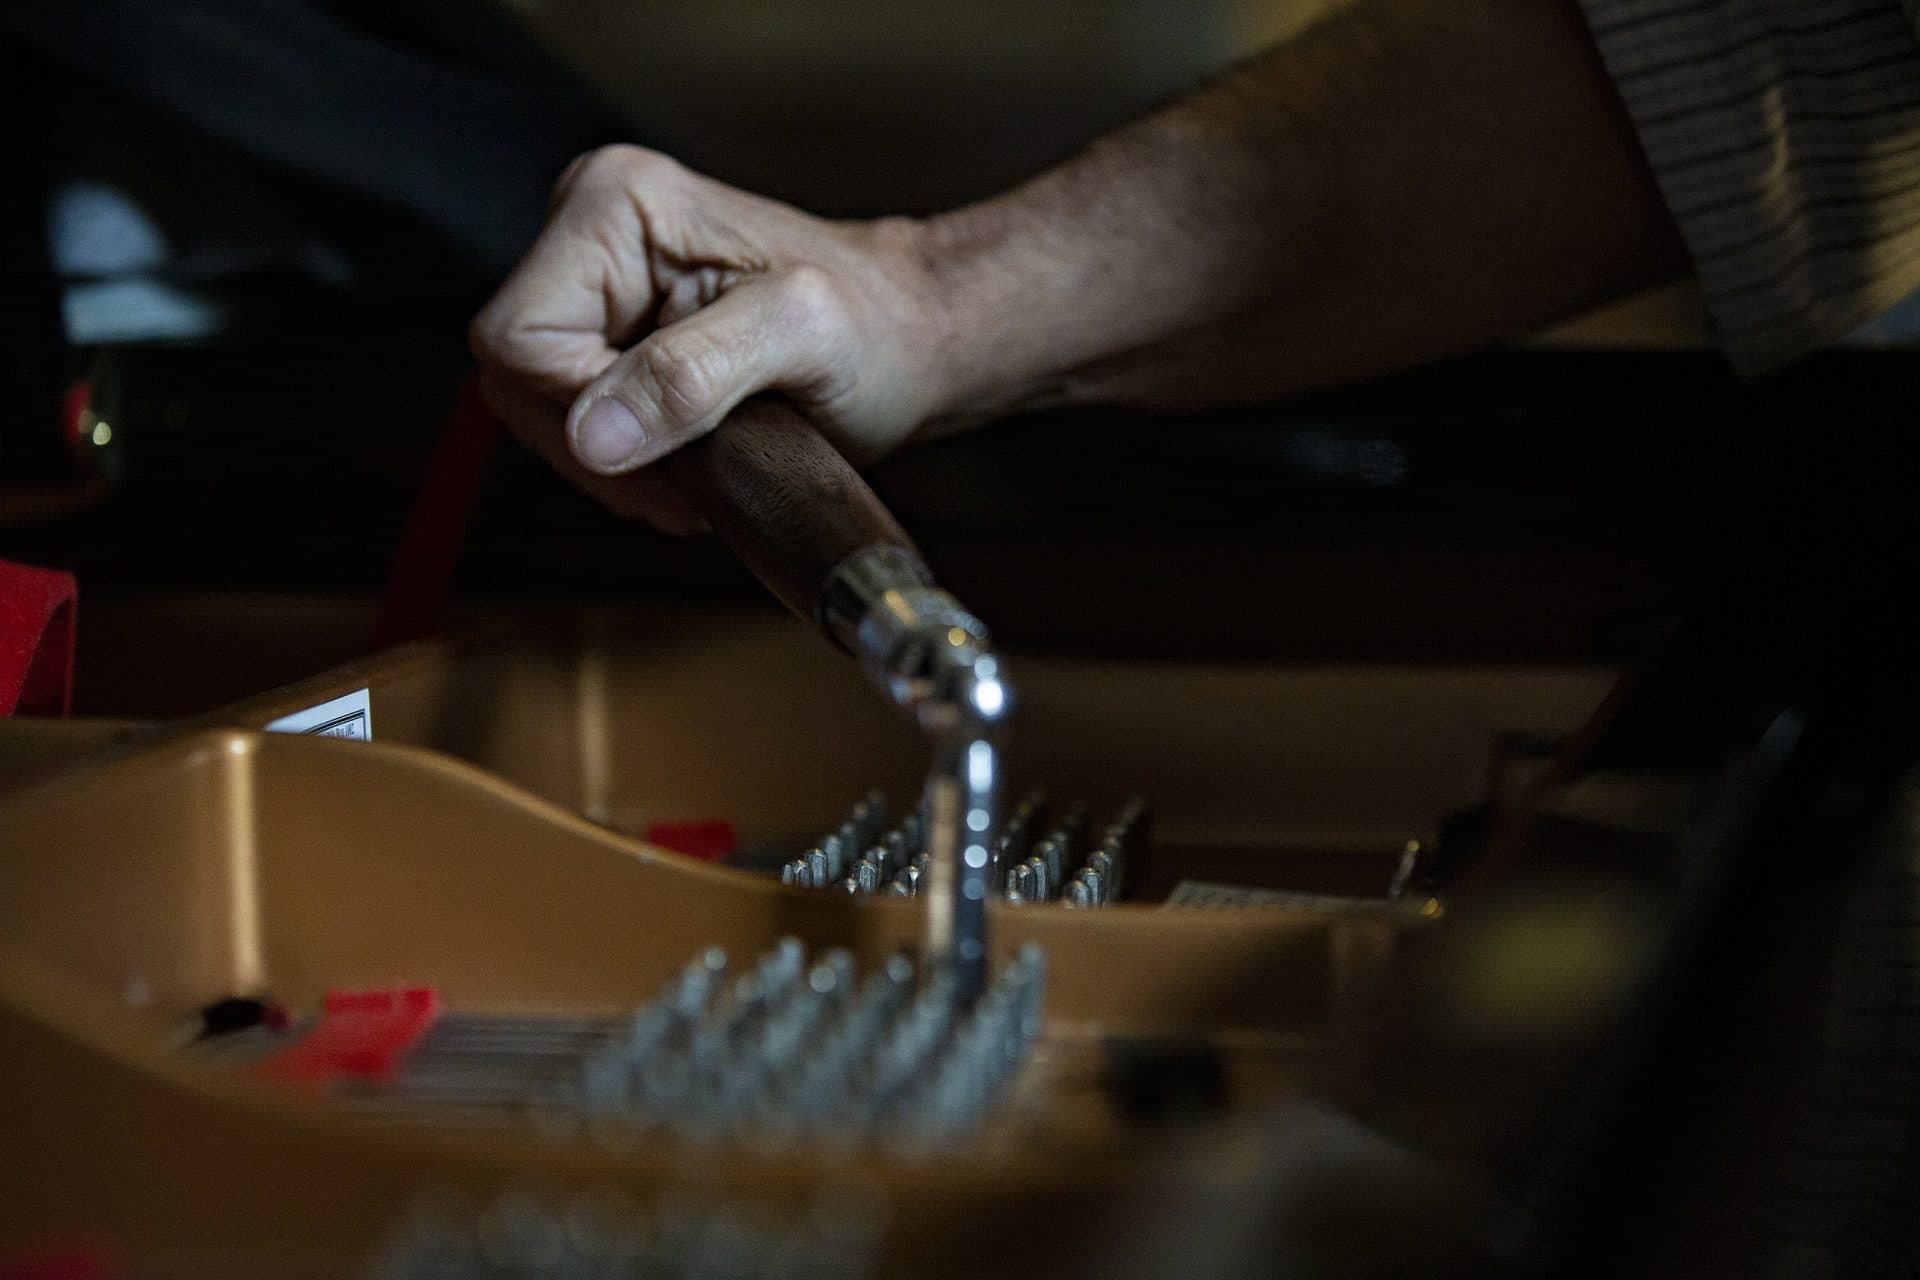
(656, 300)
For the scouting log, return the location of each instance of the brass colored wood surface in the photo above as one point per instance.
(480, 845)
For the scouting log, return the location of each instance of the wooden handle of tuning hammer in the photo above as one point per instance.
(783, 499)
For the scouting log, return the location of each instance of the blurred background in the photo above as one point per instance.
(241, 242)
(859, 106)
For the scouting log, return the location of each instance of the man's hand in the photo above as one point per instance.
(1405, 181)
(656, 300)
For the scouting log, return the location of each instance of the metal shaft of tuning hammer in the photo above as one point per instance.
(808, 526)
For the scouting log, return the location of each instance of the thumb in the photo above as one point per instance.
(682, 380)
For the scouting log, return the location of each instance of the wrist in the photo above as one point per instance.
(987, 322)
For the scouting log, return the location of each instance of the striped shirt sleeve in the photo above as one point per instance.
(1785, 136)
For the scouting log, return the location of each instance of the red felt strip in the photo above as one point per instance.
(709, 840)
(361, 1035)
(36, 640)
(436, 530)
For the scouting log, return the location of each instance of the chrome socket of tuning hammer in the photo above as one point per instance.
(935, 661)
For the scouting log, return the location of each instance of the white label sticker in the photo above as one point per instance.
(348, 716)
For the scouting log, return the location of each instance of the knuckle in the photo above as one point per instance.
(499, 341)
(684, 373)
(812, 299)
(626, 166)
(557, 193)
(489, 337)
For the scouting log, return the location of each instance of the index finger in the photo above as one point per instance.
(581, 293)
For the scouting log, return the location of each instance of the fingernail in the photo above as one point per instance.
(608, 435)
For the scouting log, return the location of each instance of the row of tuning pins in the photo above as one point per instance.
(1038, 861)
(864, 854)
(790, 1048)
(1035, 859)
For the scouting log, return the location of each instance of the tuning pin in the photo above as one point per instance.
(1038, 888)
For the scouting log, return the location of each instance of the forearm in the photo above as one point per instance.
(1406, 181)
